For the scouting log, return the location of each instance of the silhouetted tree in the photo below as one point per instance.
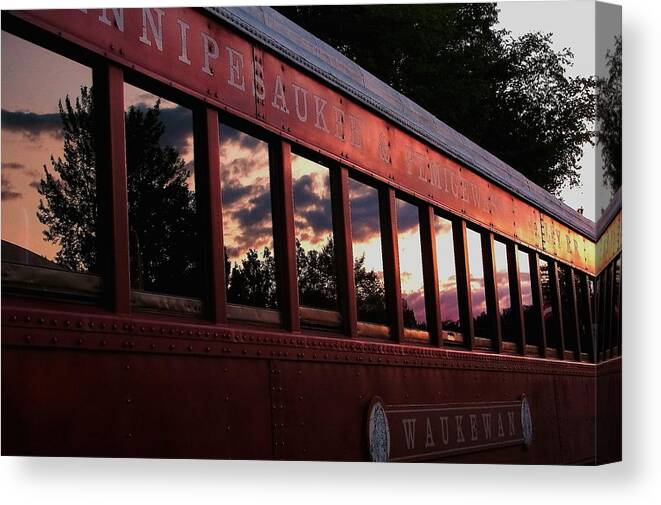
(162, 224)
(252, 282)
(609, 117)
(511, 96)
(370, 293)
(69, 211)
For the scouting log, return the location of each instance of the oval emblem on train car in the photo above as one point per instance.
(378, 431)
(526, 421)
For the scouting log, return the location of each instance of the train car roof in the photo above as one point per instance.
(292, 42)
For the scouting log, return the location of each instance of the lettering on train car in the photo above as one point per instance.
(181, 47)
(428, 432)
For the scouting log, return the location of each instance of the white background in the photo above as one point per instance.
(636, 480)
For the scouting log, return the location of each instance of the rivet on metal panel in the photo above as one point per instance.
(81, 341)
(42, 320)
(102, 343)
(55, 340)
(171, 347)
(28, 338)
(127, 367)
(128, 400)
(225, 369)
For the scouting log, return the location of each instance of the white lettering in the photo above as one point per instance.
(409, 432)
(354, 126)
(429, 442)
(460, 433)
(258, 87)
(501, 431)
(236, 79)
(339, 123)
(302, 115)
(156, 27)
(445, 432)
(473, 420)
(183, 27)
(118, 14)
(211, 52)
(279, 95)
(510, 416)
(486, 423)
(319, 105)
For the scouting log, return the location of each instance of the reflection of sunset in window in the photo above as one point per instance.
(410, 265)
(447, 274)
(503, 291)
(247, 222)
(313, 222)
(478, 297)
(367, 253)
(34, 80)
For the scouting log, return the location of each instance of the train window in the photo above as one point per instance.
(163, 223)
(447, 274)
(367, 252)
(616, 325)
(550, 323)
(410, 266)
(49, 192)
(567, 303)
(478, 295)
(503, 292)
(313, 220)
(247, 219)
(530, 317)
(585, 332)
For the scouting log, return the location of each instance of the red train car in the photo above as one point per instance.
(240, 244)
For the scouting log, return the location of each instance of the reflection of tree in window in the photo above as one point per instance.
(552, 337)
(447, 274)
(478, 296)
(313, 220)
(530, 317)
(367, 252)
(567, 301)
(163, 227)
(410, 266)
(49, 195)
(247, 219)
(585, 332)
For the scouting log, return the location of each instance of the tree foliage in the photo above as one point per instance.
(162, 224)
(510, 95)
(69, 211)
(609, 117)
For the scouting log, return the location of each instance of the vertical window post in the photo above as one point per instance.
(112, 182)
(574, 309)
(515, 294)
(339, 180)
(207, 158)
(430, 272)
(583, 278)
(491, 291)
(285, 235)
(557, 307)
(463, 283)
(390, 249)
(538, 299)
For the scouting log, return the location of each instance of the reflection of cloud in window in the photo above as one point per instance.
(312, 202)
(246, 194)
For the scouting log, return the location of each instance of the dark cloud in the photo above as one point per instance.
(32, 124)
(304, 195)
(178, 123)
(365, 216)
(257, 211)
(233, 192)
(11, 165)
(407, 216)
(232, 135)
(319, 220)
(8, 192)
